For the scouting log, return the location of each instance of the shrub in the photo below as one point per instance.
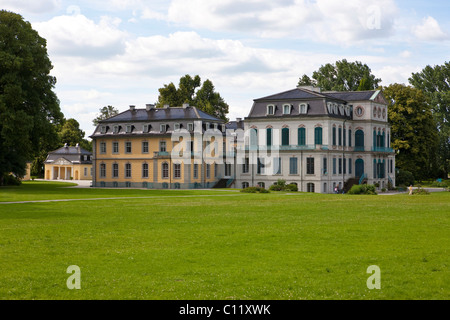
(420, 191)
(291, 187)
(275, 187)
(383, 189)
(362, 189)
(254, 190)
(10, 180)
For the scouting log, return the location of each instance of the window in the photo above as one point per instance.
(177, 170)
(325, 166)
(144, 146)
(349, 166)
(245, 185)
(128, 170)
(115, 146)
(293, 165)
(116, 129)
(115, 171)
(162, 146)
(102, 147)
(216, 170)
(285, 136)
(128, 128)
(344, 142)
(102, 170)
(318, 135)
(269, 137)
(246, 165)
(287, 109)
(359, 138)
(340, 165)
(145, 128)
(349, 138)
(334, 136)
(270, 109)
(277, 165)
(195, 170)
(344, 165)
(261, 184)
(177, 126)
(260, 166)
(163, 128)
(103, 129)
(145, 170)
(208, 171)
(85, 172)
(253, 137)
(310, 187)
(301, 133)
(303, 108)
(128, 147)
(190, 127)
(165, 170)
(228, 169)
(334, 165)
(340, 136)
(309, 165)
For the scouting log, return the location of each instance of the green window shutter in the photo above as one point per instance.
(269, 137)
(285, 137)
(301, 136)
(318, 135)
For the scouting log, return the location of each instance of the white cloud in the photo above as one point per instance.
(429, 30)
(35, 6)
(76, 35)
(323, 20)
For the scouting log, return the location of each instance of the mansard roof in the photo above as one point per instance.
(161, 114)
(72, 154)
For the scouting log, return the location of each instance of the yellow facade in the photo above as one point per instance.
(68, 171)
(120, 162)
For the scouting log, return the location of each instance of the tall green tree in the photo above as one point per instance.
(71, 134)
(105, 113)
(342, 76)
(29, 109)
(435, 83)
(413, 130)
(191, 90)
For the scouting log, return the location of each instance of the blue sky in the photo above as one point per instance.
(120, 52)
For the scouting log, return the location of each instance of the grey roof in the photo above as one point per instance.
(351, 95)
(72, 154)
(316, 101)
(161, 114)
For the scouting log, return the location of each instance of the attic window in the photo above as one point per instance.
(270, 109)
(116, 129)
(330, 107)
(163, 127)
(286, 109)
(215, 126)
(303, 108)
(335, 108)
(145, 128)
(103, 129)
(177, 126)
(129, 128)
(190, 127)
(341, 109)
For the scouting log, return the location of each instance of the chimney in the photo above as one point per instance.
(78, 145)
(166, 106)
(149, 106)
(132, 108)
(65, 145)
(238, 120)
(185, 105)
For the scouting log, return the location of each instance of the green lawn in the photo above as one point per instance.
(221, 244)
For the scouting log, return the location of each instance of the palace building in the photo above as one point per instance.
(68, 163)
(318, 140)
(137, 149)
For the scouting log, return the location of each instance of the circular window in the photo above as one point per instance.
(359, 111)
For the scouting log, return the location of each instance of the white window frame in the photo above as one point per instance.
(289, 108)
(270, 107)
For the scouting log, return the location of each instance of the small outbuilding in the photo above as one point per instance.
(69, 163)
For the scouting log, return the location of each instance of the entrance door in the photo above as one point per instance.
(359, 168)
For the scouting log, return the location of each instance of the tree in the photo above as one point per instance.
(413, 130)
(191, 90)
(105, 113)
(29, 109)
(342, 76)
(71, 134)
(435, 83)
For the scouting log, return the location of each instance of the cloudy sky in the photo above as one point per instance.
(120, 52)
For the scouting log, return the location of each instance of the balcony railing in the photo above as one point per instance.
(382, 149)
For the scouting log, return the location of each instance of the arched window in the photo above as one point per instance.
(359, 138)
(301, 136)
(245, 185)
(318, 135)
(285, 136)
(165, 170)
(310, 187)
(334, 136)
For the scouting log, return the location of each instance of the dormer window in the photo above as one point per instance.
(330, 107)
(341, 109)
(303, 108)
(163, 127)
(206, 125)
(335, 108)
(270, 109)
(215, 126)
(190, 127)
(103, 129)
(129, 127)
(287, 109)
(177, 126)
(115, 129)
(145, 128)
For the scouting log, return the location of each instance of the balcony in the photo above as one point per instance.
(382, 149)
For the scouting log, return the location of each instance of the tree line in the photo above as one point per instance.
(32, 124)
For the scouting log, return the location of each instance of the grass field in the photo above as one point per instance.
(221, 244)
